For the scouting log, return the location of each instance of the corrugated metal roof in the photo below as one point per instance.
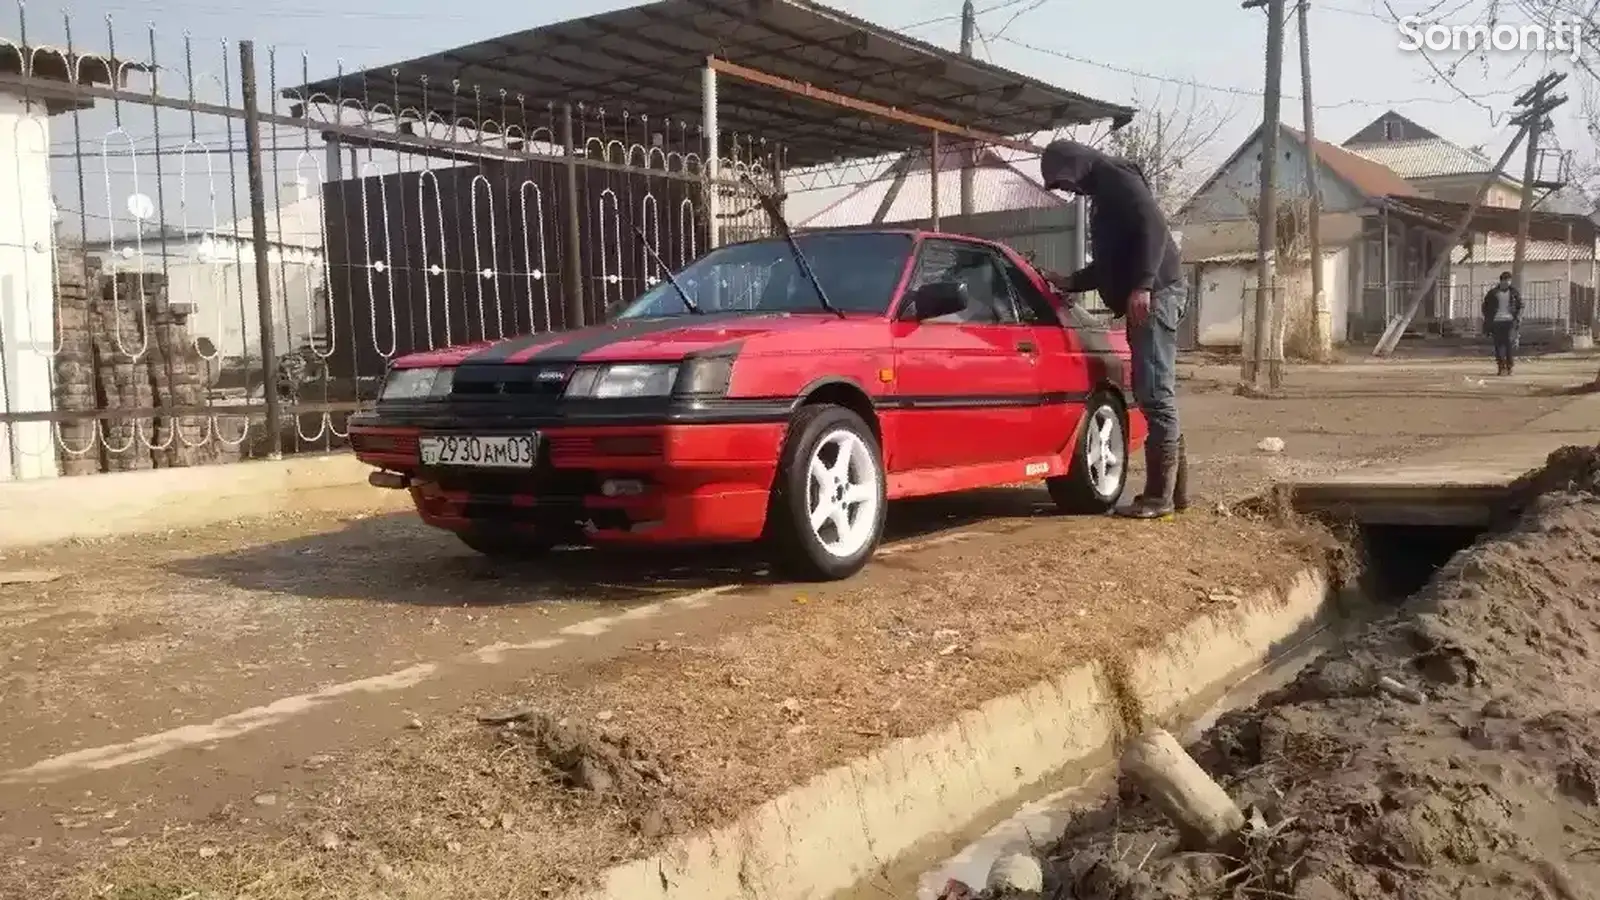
(998, 186)
(1432, 158)
(648, 59)
(1502, 249)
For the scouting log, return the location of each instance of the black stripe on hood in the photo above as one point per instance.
(588, 341)
(504, 350)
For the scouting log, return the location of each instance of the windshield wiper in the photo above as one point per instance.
(776, 215)
(688, 302)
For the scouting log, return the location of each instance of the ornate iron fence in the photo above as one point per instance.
(204, 267)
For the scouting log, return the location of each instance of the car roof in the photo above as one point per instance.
(916, 233)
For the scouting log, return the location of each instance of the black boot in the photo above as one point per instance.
(1155, 501)
(1180, 479)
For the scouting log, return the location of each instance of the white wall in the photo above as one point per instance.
(1337, 276)
(27, 289)
(1225, 288)
(1220, 305)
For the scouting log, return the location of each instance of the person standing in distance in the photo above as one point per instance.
(1137, 270)
(1502, 316)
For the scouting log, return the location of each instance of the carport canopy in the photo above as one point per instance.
(824, 85)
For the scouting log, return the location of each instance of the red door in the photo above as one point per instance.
(1062, 370)
(966, 385)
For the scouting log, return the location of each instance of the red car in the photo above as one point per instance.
(769, 391)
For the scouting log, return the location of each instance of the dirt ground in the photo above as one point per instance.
(1487, 785)
(288, 708)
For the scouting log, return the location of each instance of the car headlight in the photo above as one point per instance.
(623, 381)
(417, 384)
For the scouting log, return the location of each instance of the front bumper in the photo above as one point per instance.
(683, 482)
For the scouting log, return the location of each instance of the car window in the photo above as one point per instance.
(1032, 304)
(975, 270)
(858, 270)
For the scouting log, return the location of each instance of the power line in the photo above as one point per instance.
(1235, 91)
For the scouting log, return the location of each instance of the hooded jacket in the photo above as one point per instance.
(1131, 246)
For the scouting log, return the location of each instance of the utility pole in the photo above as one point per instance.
(1322, 315)
(1530, 178)
(1267, 213)
(969, 152)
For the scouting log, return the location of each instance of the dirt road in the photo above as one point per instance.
(157, 681)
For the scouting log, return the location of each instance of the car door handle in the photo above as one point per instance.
(1027, 347)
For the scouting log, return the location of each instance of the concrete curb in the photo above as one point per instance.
(36, 513)
(840, 828)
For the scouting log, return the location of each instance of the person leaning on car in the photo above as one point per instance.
(1137, 270)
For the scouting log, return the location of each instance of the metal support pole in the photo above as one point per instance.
(933, 186)
(1322, 315)
(713, 149)
(1080, 233)
(335, 163)
(258, 229)
(969, 152)
(1267, 214)
(572, 278)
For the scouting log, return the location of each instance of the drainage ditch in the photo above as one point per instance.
(1479, 777)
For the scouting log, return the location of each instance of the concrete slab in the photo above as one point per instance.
(1463, 485)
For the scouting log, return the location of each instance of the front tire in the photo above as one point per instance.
(505, 544)
(1099, 469)
(828, 500)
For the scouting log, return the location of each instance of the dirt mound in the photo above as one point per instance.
(599, 761)
(1570, 469)
(1485, 783)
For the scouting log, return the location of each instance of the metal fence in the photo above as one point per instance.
(201, 269)
(1553, 309)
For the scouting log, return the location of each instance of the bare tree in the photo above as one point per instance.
(1174, 142)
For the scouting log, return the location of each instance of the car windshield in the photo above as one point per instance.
(858, 271)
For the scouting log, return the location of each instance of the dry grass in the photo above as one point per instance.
(835, 672)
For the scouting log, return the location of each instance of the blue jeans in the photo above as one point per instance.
(1155, 365)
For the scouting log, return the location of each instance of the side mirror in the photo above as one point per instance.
(934, 300)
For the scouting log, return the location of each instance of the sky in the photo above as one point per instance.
(1149, 53)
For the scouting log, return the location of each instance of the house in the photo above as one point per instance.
(1007, 204)
(1436, 167)
(1556, 270)
(1365, 237)
(211, 273)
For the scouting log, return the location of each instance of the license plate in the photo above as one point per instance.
(474, 451)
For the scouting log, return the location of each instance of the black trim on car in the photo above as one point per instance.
(460, 416)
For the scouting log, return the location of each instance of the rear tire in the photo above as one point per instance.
(505, 544)
(1099, 468)
(831, 473)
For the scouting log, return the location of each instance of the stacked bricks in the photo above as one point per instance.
(150, 361)
(177, 375)
(117, 325)
(79, 448)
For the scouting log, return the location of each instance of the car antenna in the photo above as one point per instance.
(672, 279)
(778, 222)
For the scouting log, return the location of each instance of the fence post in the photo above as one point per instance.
(573, 277)
(258, 228)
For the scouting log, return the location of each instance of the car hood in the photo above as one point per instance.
(653, 340)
